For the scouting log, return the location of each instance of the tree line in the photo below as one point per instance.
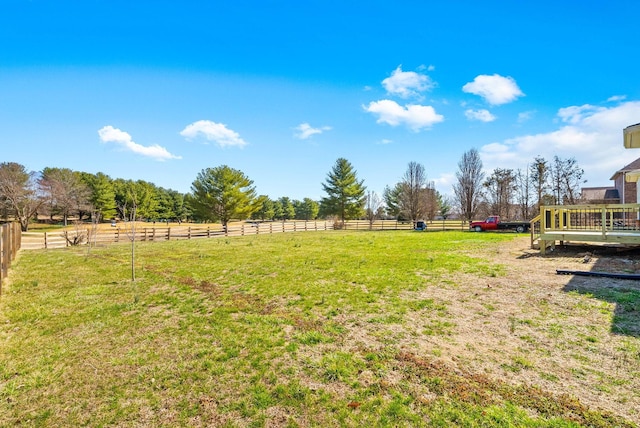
(515, 194)
(222, 194)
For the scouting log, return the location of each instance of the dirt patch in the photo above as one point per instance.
(563, 333)
(528, 326)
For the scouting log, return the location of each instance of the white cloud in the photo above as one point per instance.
(423, 67)
(407, 83)
(590, 134)
(385, 141)
(109, 134)
(495, 90)
(305, 130)
(445, 181)
(481, 115)
(617, 98)
(525, 116)
(415, 116)
(575, 114)
(213, 131)
(497, 154)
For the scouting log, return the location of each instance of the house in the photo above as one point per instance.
(600, 195)
(625, 182)
(600, 221)
(623, 191)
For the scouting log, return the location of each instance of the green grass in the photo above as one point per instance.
(280, 330)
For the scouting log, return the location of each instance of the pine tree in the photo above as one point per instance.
(345, 194)
(222, 194)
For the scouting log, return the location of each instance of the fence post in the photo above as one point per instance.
(2, 251)
(17, 233)
(10, 242)
(168, 233)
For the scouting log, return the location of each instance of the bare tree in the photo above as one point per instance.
(539, 176)
(571, 181)
(372, 206)
(412, 196)
(431, 199)
(66, 192)
(566, 180)
(19, 192)
(500, 187)
(468, 188)
(78, 235)
(555, 176)
(523, 193)
(129, 217)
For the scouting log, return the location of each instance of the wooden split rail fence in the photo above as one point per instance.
(10, 240)
(123, 232)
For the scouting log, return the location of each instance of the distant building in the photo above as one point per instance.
(600, 195)
(626, 184)
(623, 191)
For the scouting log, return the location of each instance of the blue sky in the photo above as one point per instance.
(159, 90)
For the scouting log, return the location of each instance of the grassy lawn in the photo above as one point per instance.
(304, 329)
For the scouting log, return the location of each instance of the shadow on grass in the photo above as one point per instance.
(624, 293)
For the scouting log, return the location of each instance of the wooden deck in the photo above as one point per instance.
(613, 224)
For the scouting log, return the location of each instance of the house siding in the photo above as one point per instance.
(630, 194)
(626, 189)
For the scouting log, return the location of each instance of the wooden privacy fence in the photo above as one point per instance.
(123, 232)
(10, 239)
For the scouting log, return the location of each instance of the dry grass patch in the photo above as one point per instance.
(335, 329)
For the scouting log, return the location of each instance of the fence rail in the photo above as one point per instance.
(10, 240)
(405, 225)
(124, 233)
(609, 223)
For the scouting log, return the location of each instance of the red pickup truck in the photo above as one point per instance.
(493, 223)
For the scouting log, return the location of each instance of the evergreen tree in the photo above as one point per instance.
(307, 209)
(345, 194)
(391, 198)
(288, 210)
(222, 194)
(103, 196)
(266, 210)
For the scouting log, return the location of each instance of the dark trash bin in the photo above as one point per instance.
(420, 225)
